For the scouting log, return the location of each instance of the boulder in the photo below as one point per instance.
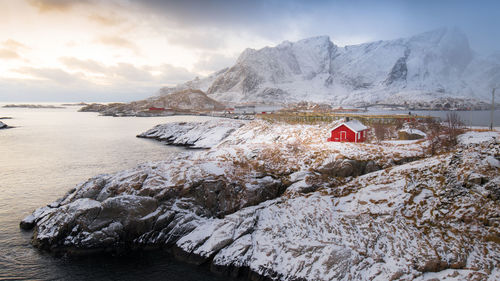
(411, 134)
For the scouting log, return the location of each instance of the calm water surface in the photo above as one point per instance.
(477, 118)
(49, 152)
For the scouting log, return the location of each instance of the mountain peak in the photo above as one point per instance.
(315, 40)
(438, 63)
(311, 41)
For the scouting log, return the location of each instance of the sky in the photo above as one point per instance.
(123, 50)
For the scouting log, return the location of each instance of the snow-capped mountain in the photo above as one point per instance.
(425, 67)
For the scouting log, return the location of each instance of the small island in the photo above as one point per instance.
(189, 101)
(3, 125)
(32, 106)
(75, 104)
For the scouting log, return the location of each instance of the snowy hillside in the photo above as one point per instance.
(274, 201)
(185, 100)
(424, 67)
(188, 100)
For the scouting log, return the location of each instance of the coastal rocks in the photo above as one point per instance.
(348, 168)
(30, 221)
(193, 134)
(247, 208)
(147, 207)
(96, 107)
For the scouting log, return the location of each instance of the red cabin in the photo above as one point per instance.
(156, 109)
(350, 131)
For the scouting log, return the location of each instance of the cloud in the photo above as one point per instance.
(197, 39)
(51, 74)
(129, 73)
(105, 20)
(55, 5)
(215, 12)
(267, 19)
(11, 49)
(8, 54)
(17, 90)
(161, 74)
(14, 45)
(85, 65)
(174, 75)
(124, 71)
(124, 82)
(119, 42)
(213, 62)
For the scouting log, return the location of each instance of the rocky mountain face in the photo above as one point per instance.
(186, 100)
(424, 67)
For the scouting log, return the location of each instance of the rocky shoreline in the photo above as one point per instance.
(274, 202)
(3, 125)
(193, 134)
(32, 106)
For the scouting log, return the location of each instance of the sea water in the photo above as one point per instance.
(50, 151)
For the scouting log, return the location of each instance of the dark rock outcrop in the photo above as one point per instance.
(348, 168)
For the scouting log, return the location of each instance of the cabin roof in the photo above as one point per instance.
(354, 125)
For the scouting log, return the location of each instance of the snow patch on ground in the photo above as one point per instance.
(473, 137)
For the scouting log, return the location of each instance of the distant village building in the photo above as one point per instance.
(156, 109)
(349, 131)
(244, 109)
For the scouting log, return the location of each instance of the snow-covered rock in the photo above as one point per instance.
(3, 125)
(401, 223)
(230, 206)
(425, 67)
(408, 133)
(478, 137)
(194, 134)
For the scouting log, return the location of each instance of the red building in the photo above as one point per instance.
(156, 109)
(350, 131)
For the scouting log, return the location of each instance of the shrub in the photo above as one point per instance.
(454, 127)
(380, 131)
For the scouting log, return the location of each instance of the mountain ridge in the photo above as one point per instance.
(427, 66)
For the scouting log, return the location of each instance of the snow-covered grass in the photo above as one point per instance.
(399, 223)
(473, 137)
